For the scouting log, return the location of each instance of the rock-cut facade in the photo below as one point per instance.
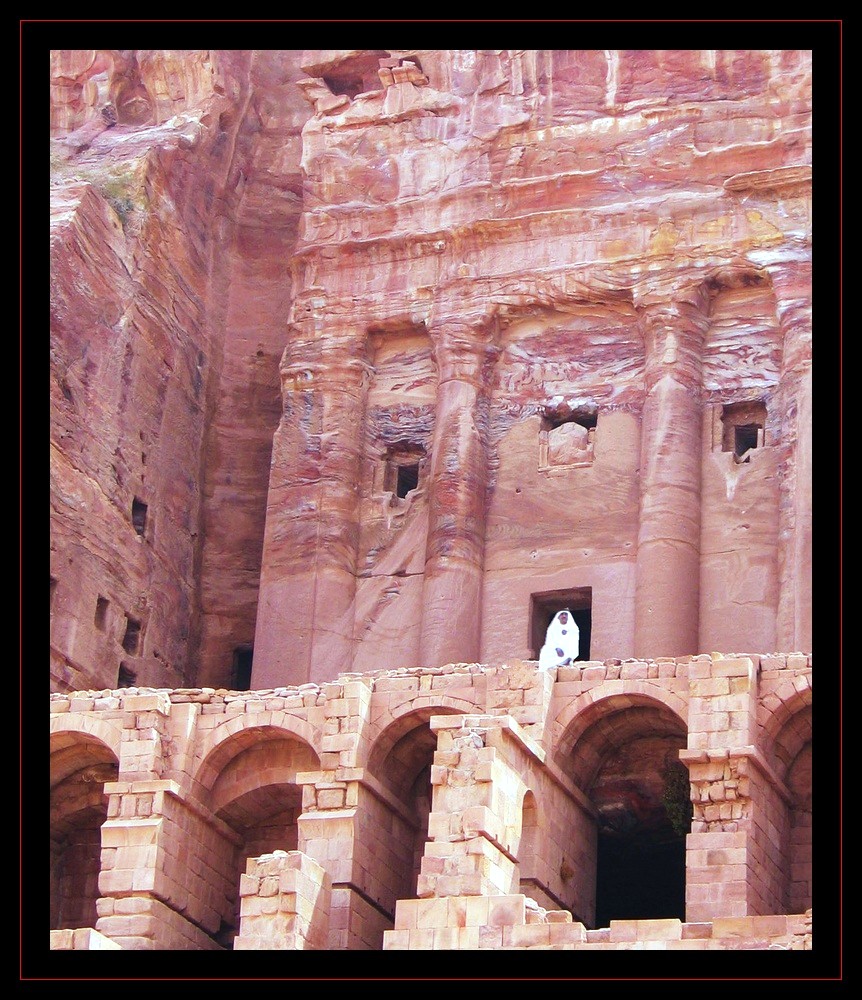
(365, 366)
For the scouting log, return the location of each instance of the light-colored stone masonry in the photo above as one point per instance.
(456, 807)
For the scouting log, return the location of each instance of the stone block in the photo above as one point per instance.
(527, 935)
(115, 882)
(506, 910)
(738, 667)
(432, 913)
(623, 930)
(566, 933)
(659, 930)
(396, 940)
(708, 687)
(476, 909)
(696, 930)
(491, 937)
(145, 703)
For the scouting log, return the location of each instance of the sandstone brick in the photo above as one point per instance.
(527, 935)
(506, 910)
(423, 939)
(396, 940)
(709, 687)
(623, 930)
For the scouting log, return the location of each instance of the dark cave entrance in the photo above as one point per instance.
(639, 879)
(642, 794)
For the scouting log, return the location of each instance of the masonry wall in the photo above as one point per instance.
(514, 808)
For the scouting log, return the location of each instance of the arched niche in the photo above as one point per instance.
(625, 757)
(80, 764)
(254, 791)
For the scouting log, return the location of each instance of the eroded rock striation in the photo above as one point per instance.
(369, 359)
(365, 365)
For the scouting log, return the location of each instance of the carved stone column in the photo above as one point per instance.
(308, 583)
(668, 556)
(455, 548)
(791, 282)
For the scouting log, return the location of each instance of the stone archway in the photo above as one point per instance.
(625, 758)
(401, 760)
(640, 864)
(80, 765)
(255, 794)
(791, 751)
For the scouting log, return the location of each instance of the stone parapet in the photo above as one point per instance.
(467, 781)
(517, 923)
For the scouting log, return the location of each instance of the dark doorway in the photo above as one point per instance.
(639, 879)
(408, 479)
(642, 795)
(240, 674)
(543, 607)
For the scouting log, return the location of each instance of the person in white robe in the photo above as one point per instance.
(561, 642)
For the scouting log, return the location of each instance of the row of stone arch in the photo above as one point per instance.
(614, 746)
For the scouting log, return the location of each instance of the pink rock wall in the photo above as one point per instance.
(605, 230)
(536, 282)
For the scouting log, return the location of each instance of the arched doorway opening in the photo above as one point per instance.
(80, 765)
(791, 752)
(642, 795)
(256, 795)
(799, 783)
(401, 761)
(625, 757)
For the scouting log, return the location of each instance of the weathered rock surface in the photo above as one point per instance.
(520, 299)
(591, 251)
(175, 195)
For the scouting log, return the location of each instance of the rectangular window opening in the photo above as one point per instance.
(543, 607)
(132, 637)
(101, 615)
(139, 515)
(743, 428)
(403, 469)
(408, 479)
(240, 675)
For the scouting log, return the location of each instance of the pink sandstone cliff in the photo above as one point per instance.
(547, 283)
(364, 364)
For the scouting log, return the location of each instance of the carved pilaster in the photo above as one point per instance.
(668, 557)
(455, 547)
(791, 282)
